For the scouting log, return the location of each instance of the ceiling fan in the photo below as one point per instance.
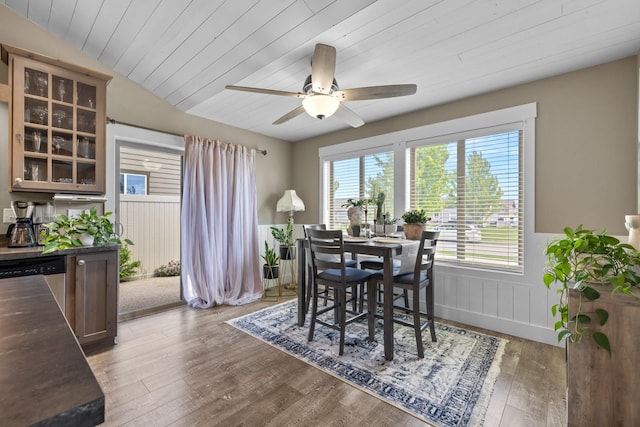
(321, 96)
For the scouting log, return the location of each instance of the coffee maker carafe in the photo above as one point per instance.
(21, 233)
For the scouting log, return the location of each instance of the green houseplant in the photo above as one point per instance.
(284, 236)
(415, 220)
(128, 267)
(578, 261)
(66, 232)
(271, 258)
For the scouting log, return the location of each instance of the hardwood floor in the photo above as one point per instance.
(186, 367)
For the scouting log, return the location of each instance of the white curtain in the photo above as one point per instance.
(219, 227)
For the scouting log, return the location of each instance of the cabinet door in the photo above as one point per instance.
(58, 129)
(96, 281)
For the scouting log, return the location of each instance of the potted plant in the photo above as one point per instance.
(415, 221)
(87, 229)
(270, 267)
(356, 207)
(285, 238)
(597, 277)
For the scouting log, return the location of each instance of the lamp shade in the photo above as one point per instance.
(290, 202)
(320, 105)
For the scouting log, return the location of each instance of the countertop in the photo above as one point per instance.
(44, 376)
(7, 253)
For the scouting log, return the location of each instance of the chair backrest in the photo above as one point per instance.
(313, 227)
(327, 250)
(426, 254)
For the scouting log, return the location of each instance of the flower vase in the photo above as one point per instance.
(632, 223)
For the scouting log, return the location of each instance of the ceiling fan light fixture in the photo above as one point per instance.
(320, 105)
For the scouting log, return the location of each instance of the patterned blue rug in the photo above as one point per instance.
(451, 386)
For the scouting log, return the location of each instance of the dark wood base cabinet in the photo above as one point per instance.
(92, 278)
(602, 388)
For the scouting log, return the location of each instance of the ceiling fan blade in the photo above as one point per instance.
(267, 91)
(348, 116)
(323, 68)
(290, 115)
(375, 92)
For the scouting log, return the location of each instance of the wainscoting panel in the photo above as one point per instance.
(515, 304)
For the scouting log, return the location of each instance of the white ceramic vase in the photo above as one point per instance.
(86, 239)
(632, 223)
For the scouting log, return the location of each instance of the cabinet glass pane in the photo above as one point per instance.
(62, 171)
(86, 95)
(35, 140)
(35, 169)
(36, 83)
(36, 111)
(62, 116)
(62, 144)
(87, 147)
(86, 121)
(62, 89)
(86, 173)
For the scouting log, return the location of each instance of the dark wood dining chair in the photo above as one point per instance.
(330, 270)
(420, 278)
(348, 263)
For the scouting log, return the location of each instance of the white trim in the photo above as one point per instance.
(477, 121)
(117, 134)
(507, 302)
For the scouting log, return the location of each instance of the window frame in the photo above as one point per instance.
(146, 183)
(522, 117)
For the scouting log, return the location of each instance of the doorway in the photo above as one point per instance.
(148, 207)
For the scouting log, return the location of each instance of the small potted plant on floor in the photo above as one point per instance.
(415, 221)
(270, 267)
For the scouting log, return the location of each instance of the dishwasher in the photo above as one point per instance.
(53, 268)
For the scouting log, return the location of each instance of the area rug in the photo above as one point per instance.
(451, 386)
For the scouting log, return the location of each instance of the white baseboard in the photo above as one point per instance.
(505, 326)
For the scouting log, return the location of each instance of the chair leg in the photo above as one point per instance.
(309, 288)
(405, 294)
(372, 304)
(416, 323)
(342, 312)
(314, 311)
(430, 311)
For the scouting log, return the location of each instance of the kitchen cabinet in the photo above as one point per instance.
(58, 124)
(92, 278)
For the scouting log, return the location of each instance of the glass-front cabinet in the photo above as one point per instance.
(58, 125)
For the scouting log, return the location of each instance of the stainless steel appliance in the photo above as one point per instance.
(43, 213)
(53, 268)
(21, 234)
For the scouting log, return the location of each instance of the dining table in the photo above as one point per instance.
(386, 249)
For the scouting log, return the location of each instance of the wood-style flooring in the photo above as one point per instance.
(187, 367)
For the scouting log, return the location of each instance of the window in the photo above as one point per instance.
(359, 177)
(131, 183)
(473, 175)
(472, 190)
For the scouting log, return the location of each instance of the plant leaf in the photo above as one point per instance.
(548, 279)
(602, 340)
(603, 316)
(563, 335)
(590, 293)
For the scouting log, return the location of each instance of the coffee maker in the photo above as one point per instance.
(21, 234)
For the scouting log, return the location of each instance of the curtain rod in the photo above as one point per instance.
(113, 122)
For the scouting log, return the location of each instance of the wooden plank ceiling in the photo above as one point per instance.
(186, 51)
